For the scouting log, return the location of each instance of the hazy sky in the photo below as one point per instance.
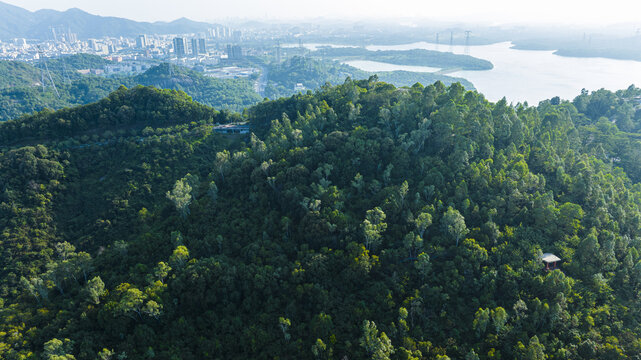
(595, 12)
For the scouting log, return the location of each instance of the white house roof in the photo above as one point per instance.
(549, 258)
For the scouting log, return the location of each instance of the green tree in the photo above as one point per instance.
(535, 350)
(453, 224)
(222, 163)
(423, 265)
(180, 195)
(358, 182)
(65, 251)
(105, 354)
(95, 289)
(55, 349)
(131, 301)
(36, 287)
(422, 222)
(402, 193)
(152, 309)
(499, 318)
(161, 271)
(213, 192)
(471, 355)
(373, 226)
(320, 351)
(379, 347)
(481, 321)
(413, 243)
(284, 324)
(178, 258)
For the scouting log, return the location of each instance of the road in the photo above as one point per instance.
(261, 82)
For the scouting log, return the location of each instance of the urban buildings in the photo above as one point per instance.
(234, 52)
(194, 47)
(142, 42)
(179, 47)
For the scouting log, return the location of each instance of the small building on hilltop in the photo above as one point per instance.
(232, 129)
(550, 260)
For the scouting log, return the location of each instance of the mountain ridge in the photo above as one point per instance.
(17, 22)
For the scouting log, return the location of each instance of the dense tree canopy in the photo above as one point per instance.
(21, 90)
(358, 221)
(313, 73)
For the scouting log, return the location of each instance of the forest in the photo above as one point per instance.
(415, 57)
(357, 221)
(21, 90)
(314, 73)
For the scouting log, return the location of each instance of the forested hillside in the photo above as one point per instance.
(360, 221)
(21, 89)
(313, 73)
(232, 94)
(20, 73)
(415, 57)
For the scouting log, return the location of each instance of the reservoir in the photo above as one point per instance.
(529, 75)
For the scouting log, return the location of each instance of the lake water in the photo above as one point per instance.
(316, 46)
(527, 75)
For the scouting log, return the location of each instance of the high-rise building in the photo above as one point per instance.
(237, 35)
(202, 46)
(72, 38)
(179, 47)
(141, 42)
(194, 46)
(53, 32)
(234, 52)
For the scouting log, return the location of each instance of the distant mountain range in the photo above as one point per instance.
(16, 22)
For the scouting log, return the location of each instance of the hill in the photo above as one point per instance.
(359, 221)
(18, 73)
(314, 73)
(139, 107)
(21, 91)
(21, 74)
(20, 23)
(601, 46)
(233, 94)
(415, 57)
(21, 88)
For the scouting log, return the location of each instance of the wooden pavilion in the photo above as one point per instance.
(550, 261)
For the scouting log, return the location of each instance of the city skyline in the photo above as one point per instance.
(579, 12)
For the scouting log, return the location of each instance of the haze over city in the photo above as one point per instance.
(590, 12)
